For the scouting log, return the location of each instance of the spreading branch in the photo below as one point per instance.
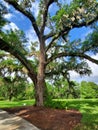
(26, 13)
(45, 14)
(55, 38)
(65, 54)
(8, 48)
(67, 29)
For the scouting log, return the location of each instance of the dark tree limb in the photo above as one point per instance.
(67, 29)
(26, 13)
(51, 34)
(55, 38)
(45, 14)
(65, 54)
(8, 48)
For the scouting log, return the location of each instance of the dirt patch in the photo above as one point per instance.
(48, 118)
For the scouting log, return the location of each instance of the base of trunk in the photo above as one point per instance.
(39, 98)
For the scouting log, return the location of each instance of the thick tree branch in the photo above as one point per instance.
(51, 43)
(6, 47)
(67, 29)
(78, 25)
(51, 34)
(26, 13)
(55, 38)
(65, 54)
(74, 25)
(45, 14)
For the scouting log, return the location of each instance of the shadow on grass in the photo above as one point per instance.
(89, 116)
(88, 108)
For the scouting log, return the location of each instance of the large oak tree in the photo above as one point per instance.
(53, 44)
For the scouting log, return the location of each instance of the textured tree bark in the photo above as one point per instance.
(40, 93)
(40, 86)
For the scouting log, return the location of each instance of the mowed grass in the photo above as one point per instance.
(10, 104)
(88, 108)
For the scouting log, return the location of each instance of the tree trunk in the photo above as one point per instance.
(40, 86)
(40, 92)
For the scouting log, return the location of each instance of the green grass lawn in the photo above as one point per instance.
(88, 108)
(9, 104)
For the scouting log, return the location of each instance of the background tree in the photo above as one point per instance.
(53, 45)
(15, 89)
(59, 74)
(88, 90)
(13, 77)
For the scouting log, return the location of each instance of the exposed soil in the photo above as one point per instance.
(48, 118)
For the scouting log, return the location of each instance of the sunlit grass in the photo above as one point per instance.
(8, 104)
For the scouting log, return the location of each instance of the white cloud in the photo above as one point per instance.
(31, 35)
(13, 26)
(13, 15)
(10, 13)
(9, 26)
(8, 16)
(94, 66)
(93, 77)
(5, 4)
(35, 8)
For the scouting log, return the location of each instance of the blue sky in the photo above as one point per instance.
(19, 21)
(81, 33)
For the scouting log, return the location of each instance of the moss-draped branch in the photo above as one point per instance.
(11, 49)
